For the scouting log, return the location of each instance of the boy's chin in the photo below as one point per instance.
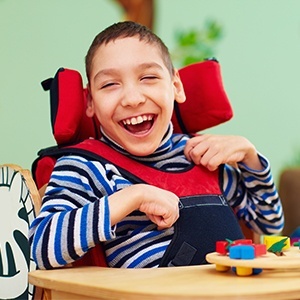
(141, 150)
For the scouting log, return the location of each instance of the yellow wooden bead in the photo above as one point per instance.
(243, 271)
(222, 268)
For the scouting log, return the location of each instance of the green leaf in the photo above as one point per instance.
(196, 44)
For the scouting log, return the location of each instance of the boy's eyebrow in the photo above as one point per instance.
(143, 66)
(150, 65)
(105, 72)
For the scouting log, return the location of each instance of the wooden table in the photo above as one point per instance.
(196, 282)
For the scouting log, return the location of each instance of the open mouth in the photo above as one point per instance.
(140, 124)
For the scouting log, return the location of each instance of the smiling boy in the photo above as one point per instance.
(132, 87)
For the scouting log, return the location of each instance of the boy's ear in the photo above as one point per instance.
(178, 88)
(89, 104)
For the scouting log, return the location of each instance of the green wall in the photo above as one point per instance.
(259, 55)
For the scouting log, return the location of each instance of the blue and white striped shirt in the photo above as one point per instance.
(75, 215)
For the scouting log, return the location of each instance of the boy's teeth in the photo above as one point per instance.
(133, 121)
(139, 119)
(136, 120)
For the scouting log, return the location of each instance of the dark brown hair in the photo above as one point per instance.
(123, 30)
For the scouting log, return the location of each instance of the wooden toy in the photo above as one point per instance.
(246, 258)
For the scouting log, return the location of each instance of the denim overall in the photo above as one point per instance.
(205, 216)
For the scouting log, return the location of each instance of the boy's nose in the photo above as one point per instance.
(133, 97)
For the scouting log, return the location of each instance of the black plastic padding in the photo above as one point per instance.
(46, 84)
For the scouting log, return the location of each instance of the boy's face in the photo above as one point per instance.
(132, 94)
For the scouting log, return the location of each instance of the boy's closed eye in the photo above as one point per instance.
(107, 85)
(149, 78)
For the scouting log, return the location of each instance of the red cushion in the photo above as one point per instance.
(207, 103)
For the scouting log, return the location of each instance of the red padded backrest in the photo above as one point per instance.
(206, 104)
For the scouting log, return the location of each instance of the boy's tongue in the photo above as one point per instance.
(139, 128)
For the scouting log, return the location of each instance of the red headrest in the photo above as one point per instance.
(207, 104)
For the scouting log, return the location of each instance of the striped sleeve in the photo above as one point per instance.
(254, 197)
(74, 216)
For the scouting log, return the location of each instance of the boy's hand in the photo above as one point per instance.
(214, 150)
(159, 205)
